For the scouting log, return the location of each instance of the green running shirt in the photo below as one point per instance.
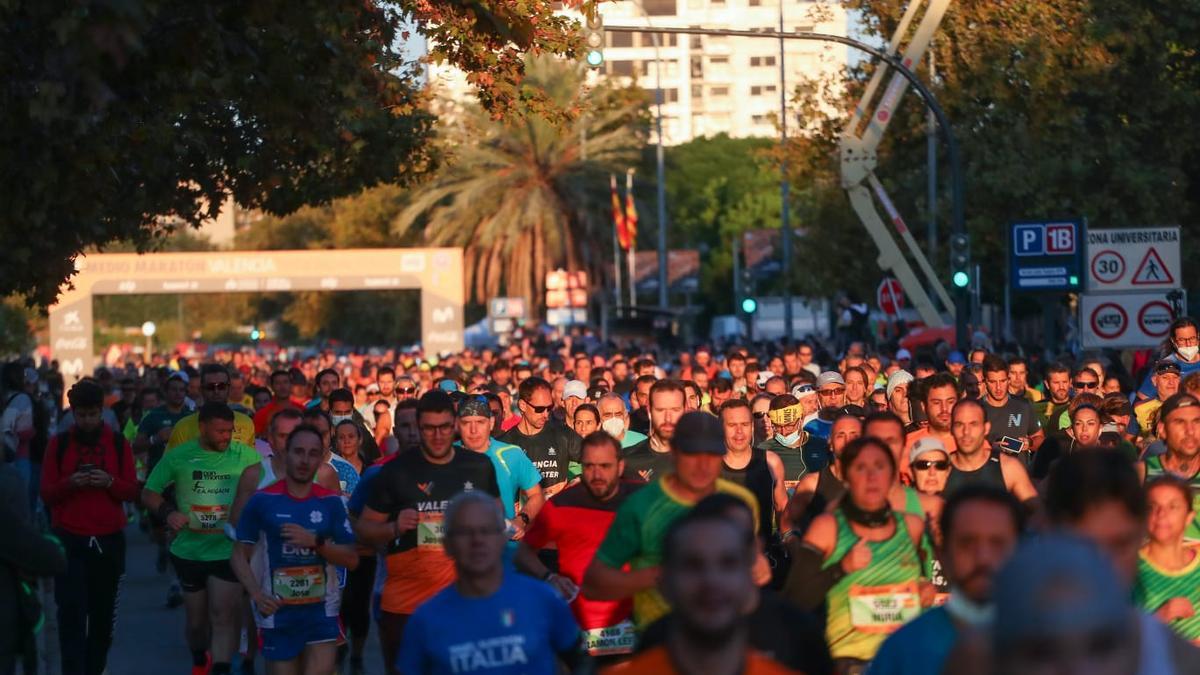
(867, 605)
(1155, 585)
(205, 484)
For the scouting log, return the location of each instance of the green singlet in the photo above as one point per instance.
(205, 484)
(867, 605)
(1155, 468)
(1154, 586)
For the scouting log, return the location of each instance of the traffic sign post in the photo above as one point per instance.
(1133, 259)
(1046, 256)
(1125, 319)
(504, 314)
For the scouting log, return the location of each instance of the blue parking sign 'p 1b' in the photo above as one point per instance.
(1045, 256)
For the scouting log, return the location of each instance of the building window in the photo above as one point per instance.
(617, 38)
(669, 95)
(620, 68)
(664, 40)
(759, 90)
(659, 7)
(697, 91)
(697, 67)
(761, 119)
(719, 91)
(718, 60)
(762, 60)
(755, 3)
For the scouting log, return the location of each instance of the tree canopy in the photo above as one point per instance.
(121, 121)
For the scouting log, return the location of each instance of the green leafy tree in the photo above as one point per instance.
(526, 196)
(120, 118)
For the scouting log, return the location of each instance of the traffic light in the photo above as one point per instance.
(255, 334)
(749, 305)
(960, 260)
(593, 39)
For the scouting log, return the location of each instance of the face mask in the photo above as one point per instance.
(1188, 353)
(967, 611)
(338, 419)
(790, 439)
(613, 426)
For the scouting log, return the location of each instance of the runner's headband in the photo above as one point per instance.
(789, 415)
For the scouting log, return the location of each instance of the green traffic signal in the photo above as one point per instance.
(961, 279)
(595, 58)
(255, 334)
(749, 305)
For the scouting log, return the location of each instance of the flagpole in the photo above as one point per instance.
(612, 181)
(632, 238)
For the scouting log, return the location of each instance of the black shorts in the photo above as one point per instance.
(193, 574)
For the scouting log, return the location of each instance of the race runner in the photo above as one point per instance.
(575, 521)
(405, 511)
(296, 594)
(205, 473)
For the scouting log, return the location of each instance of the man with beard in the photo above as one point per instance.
(205, 473)
(551, 446)
(941, 393)
(1179, 427)
(296, 594)
(576, 521)
(980, 527)
(652, 457)
(627, 562)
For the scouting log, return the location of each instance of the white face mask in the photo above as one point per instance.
(338, 419)
(614, 426)
(790, 439)
(1188, 353)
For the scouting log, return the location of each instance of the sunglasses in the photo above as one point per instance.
(760, 414)
(538, 409)
(1086, 385)
(926, 464)
(406, 390)
(218, 386)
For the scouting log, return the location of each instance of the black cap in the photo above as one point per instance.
(1180, 400)
(699, 432)
(1167, 366)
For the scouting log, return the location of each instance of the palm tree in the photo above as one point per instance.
(529, 195)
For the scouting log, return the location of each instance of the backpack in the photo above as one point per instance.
(64, 437)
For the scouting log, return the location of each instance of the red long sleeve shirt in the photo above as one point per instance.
(88, 511)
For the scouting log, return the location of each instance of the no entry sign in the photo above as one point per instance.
(1125, 319)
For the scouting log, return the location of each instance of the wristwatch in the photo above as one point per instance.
(524, 518)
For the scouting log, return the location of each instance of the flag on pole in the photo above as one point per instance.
(631, 217)
(618, 214)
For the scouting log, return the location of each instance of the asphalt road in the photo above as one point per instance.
(149, 637)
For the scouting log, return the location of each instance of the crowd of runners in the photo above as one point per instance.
(547, 508)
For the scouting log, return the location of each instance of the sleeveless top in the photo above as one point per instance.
(1155, 468)
(988, 474)
(869, 604)
(756, 477)
(1155, 585)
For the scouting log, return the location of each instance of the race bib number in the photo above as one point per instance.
(299, 585)
(618, 639)
(208, 518)
(883, 609)
(431, 530)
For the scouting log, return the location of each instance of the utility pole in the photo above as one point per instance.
(785, 230)
(931, 156)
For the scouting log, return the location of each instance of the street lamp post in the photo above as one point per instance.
(785, 230)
